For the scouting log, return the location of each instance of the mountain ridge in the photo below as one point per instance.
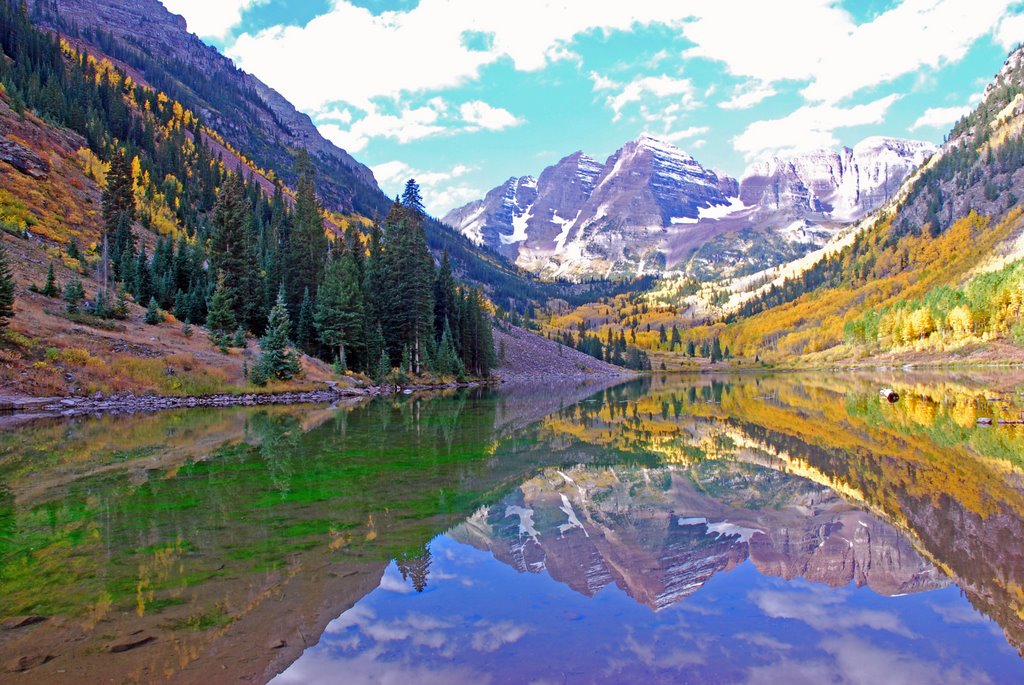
(653, 208)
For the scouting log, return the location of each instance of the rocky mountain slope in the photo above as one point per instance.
(651, 207)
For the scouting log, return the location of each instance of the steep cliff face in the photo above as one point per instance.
(839, 185)
(651, 207)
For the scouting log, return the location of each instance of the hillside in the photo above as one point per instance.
(144, 246)
(937, 272)
(934, 276)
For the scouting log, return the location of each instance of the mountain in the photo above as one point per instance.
(790, 206)
(652, 207)
(156, 49)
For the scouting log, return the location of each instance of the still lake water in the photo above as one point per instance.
(787, 528)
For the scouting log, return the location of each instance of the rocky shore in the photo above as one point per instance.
(128, 403)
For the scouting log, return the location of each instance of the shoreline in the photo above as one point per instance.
(22, 408)
(16, 409)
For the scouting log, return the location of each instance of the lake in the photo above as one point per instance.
(789, 528)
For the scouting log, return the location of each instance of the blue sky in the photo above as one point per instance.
(463, 94)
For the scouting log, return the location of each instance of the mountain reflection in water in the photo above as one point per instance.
(748, 529)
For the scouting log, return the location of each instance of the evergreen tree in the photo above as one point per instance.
(676, 339)
(50, 288)
(412, 199)
(445, 297)
(407, 307)
(153, 316)
(6, 288)
(374, 344)
(74, 293)
(305, 333)
(73, 251)
(220, 319)
(118, 209)
(142, 281)
(277, 359)
(446, 361)
(120, 310)
(307, 244)
(383, 368)
(716, 351)
(339, 308)
(233, 252)
(691, 350)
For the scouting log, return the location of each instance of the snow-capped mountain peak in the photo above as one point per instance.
(651, 206)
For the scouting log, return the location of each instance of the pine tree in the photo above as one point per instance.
(73, 251)
(374, 344)
(412, 199)
(142, 281)
(445, 297)
(6, 288)
(716, 351)
(305, 333)
(120, 310)
(74, 293)
(233, 250)
(153, 315)
(118, 210)
(220, 318)
(277, 359)
(307, 244)
(383, 368)
(406, 300)
(50, 288)
(446, 361)
(339, 307)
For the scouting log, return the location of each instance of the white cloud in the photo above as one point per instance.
(817, 608)
(748, 95)
(211, 18)
(602, 82)
(939, 117)
(441, 191)
(810, 127)
(838, 57)
(663, 86)
(409, 125)
(452, 40)
(916, 34)
(1010, 32)
(691, 132)
(441, 35)
(480, 115)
